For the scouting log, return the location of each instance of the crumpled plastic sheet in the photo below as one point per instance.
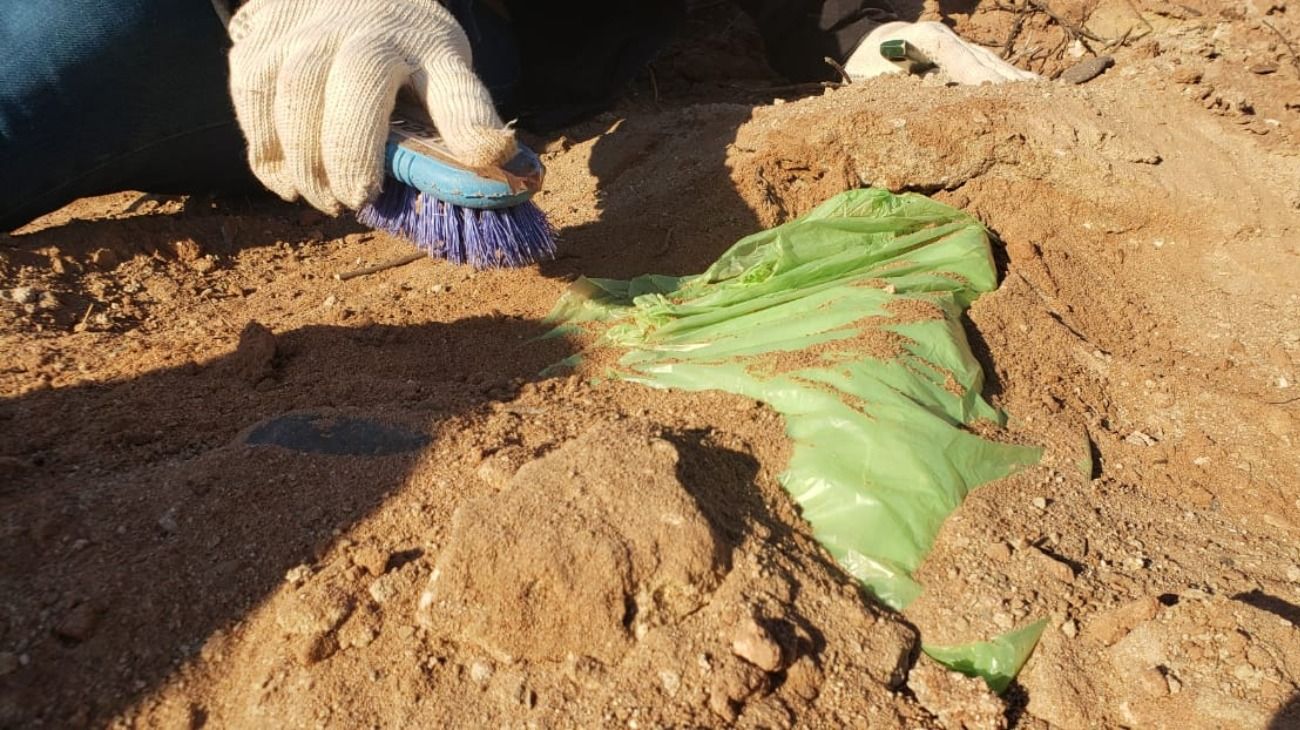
(788, 316)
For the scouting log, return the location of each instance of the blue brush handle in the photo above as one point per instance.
(457, 185)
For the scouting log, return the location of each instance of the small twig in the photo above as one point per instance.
(654, 83)
(383, 266)
(784, 88)
(844, 75)
(1066, 24)
(1295, 57)
(86, 317)
(668, 242)
(1021, 12)
(1150, 28)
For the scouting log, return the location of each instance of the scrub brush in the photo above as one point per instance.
(484, 218)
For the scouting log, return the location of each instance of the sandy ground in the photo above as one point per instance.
(611, 556)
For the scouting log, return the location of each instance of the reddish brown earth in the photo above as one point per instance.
(612, 556)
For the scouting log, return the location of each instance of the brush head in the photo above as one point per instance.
(485, 238)
(484, 218)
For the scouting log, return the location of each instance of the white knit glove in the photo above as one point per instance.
(962, 62)
(314, 83)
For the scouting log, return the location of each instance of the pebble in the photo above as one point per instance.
(671, 681)
(999, 551)
(1088, 70)
(752, 643)
(1070, 628)
(371, 558)
(480, 671)
(23, 295)
(1040, 503)
(1058, 569)
(1293, 573)
(168, 521)
(78, 624)
(330, 301)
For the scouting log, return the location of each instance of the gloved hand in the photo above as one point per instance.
(963, 62)
(314, 84)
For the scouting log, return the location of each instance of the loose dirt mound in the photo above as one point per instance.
(165, 568)
(585, 549)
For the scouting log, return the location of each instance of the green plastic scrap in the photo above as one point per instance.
(997, 662)
(846, 321)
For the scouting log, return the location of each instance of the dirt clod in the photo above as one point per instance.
(957, 701)
(577, 579)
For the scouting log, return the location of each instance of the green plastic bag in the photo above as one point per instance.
(846, 321)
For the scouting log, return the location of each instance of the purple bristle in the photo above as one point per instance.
(485, 239)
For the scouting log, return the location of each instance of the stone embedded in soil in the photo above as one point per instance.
(1110, 626)
(1087, 70)
(957, 701)
(79, 623)
(586, 543)
(752, 643)
(371, 558)
(23, 295)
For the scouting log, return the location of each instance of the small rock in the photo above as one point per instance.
(1138, 438)
(1054, 567)
(1040, 503)
(1111, 626)
(480, 671)
(1263, 69)
(8, 663)
(1086, 71)
(999, 551)
(1175, 686)
(203, 265)
(671, 682)
(330, 301)
(752, 643)
(78, 624)
(371, 558)
(298, 574)
(187, 249)
(168, 521)
(1186, 75)
(104, 258)
(1070, 628)
(24, 295)
(1293, 573)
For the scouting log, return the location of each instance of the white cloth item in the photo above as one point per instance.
(314, 83)
(963, 62)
